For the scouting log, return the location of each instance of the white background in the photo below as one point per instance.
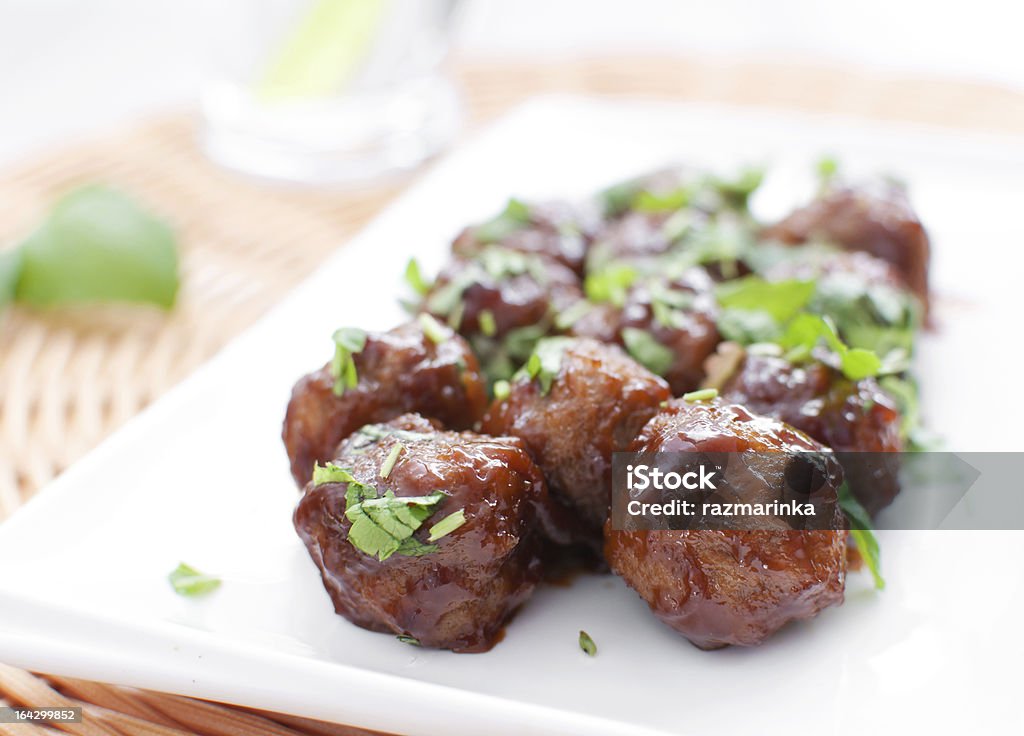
(70, 66)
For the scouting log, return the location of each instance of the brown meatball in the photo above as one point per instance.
(587, 401)
(848, 416)
(728, 587)
(877, 219)
(557, 230)
(677, 314)
(459, 591)
(399, 371)
(502, 302)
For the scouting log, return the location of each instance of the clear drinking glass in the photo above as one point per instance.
(329, 91)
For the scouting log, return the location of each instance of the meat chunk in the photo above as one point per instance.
(876, 218)
(666, 324)
(577, 402)
(502, 301)
(722, 587)
(851, 417)
(403, 370)
(557, 230)
(453, 590)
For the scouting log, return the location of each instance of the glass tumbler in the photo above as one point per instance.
(329, 91)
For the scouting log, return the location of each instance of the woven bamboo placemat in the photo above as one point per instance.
(69, 378)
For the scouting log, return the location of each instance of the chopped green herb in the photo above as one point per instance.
(348, 341)
(502, 390)
(96, 245)
(862, 533)
(546, 361)
(737, 191)
(647, 351)
(409, 640)
(414, 277)
(587, 644)
(515, 216)
(488, 326)
(189, 582)
(331, 473)
(384, 525)
(447, 525)
(390, 460)
(826, 168)
(573, 314)
(704, 394)
(659, 202)
(805, 332)
(434, 330)
(780, 299)
(867, 545)
(746, 326)
(610, 283)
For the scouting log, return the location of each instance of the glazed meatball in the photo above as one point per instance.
(851, 417)
(451, 591)
(502, 301)
(722, 587)
(399, 371)
(556, 230)
(876, 218)
(676, 315)
(582, 401)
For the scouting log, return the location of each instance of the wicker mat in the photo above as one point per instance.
(67, 379)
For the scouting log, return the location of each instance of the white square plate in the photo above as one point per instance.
(202, 477)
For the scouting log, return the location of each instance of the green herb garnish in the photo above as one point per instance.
(660, 202)
(502, 390)
(409, 640)
(646, 350)
(704, 394)
(189, 582)
(805, 331)
(610, 283)
(514, 217)
(862, 533)
(331, 473)
(348, 341)
(587, 644)
(780, 299)
(567, 318)
(384, 525)
(414, 277)
(488, 326)
(433, 329)
(447, 525)
(546, 361)
(390, 460)
(96, 245)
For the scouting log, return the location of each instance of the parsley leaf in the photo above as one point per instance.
(414, 277)
(189, 582)
(646, 350)
(384, 525)
(610, 283)
(331, 473)
(546, 361)
(515, 216)
(807, 330)
(348, 341)
(587, 644)
(862, 533)
(780, 299)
